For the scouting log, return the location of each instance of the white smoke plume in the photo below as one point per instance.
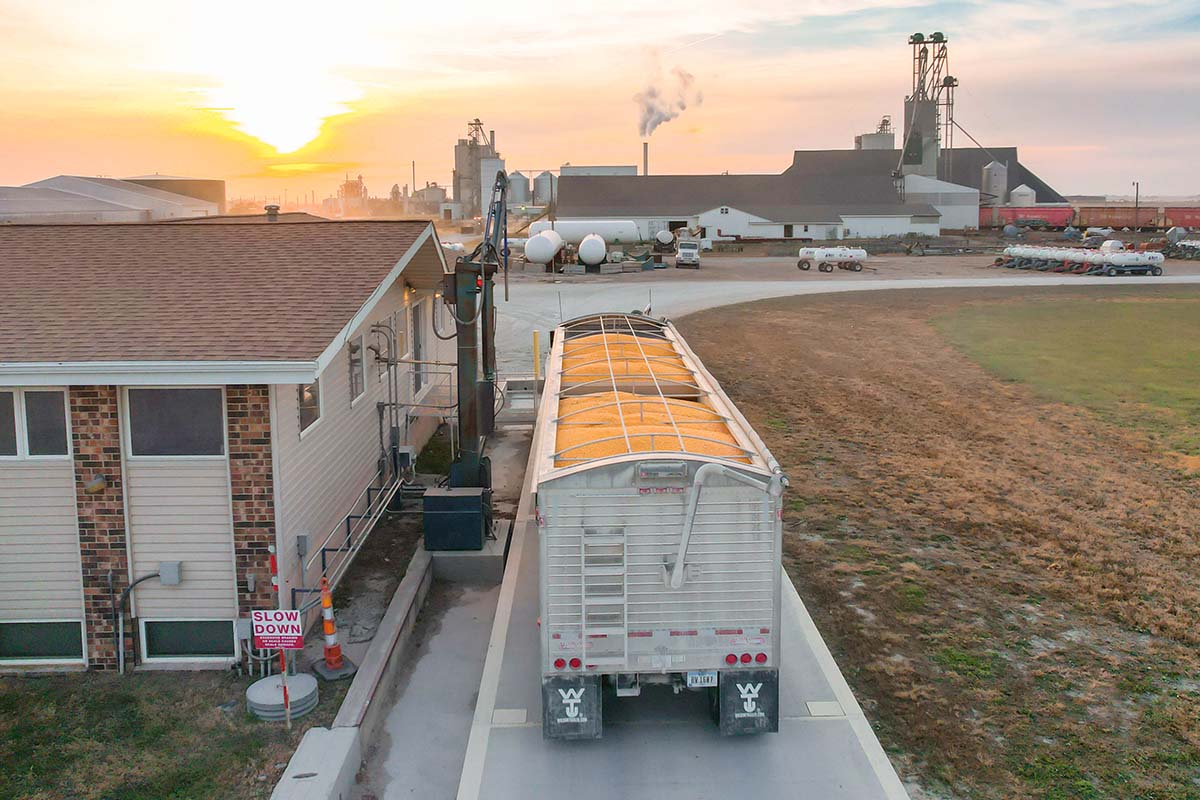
(665, 99)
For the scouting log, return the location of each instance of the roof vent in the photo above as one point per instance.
(272, 212)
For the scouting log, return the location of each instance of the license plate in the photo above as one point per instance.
(701, 679)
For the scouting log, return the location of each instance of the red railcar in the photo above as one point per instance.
(1117, 217)
(1057, 216)
(1183, 216)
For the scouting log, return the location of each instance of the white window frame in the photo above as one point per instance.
(320, 407)
(10, 662)
(127, 427)
(362, 370)
(23, 435)
(149, 659)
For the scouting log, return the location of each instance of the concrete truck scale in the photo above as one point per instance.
(659, 523)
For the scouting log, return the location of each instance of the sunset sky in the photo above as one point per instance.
(275, 95)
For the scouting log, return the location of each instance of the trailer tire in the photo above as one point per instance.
(856, 266)
(1111, 272)
(1156, 271)
(804, 265)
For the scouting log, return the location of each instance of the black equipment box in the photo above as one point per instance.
(457, 519)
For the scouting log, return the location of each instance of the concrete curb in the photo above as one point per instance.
(327, 761)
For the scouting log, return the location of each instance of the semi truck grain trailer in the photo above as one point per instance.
(659, 523)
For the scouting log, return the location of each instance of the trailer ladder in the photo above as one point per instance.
(604, 579)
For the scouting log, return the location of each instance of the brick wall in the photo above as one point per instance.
(249, 411)
(96, 445)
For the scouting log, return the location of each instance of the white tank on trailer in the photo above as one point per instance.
(592, 250)
(572, 231)
(542, 249)
(665, 237)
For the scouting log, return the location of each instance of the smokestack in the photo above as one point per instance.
(645, 158)
(492, 140)
(272, 212)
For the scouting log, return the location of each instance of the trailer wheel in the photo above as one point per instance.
(1112, 272)
(1156, 271)
(856, 266)
(804, 264)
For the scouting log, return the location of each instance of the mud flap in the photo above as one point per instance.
(748, 702)
(572, 707)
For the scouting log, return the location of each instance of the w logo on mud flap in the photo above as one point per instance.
(749, 694)
(571, 699)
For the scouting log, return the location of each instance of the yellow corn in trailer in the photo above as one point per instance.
(659, 526)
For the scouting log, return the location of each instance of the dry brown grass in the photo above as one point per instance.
(1008, 584)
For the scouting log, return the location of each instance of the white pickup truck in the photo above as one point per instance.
(687, 254)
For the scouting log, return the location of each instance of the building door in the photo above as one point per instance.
(418, 345)
(787, 231)
(177, 496)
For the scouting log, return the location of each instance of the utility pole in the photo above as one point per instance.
(1137, 192)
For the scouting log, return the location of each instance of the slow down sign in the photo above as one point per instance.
(277, 630)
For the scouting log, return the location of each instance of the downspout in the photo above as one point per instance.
(773, 486)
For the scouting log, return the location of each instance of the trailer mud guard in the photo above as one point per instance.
(748, 702)
(572, 707)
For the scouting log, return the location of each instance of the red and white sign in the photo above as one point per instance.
(277, 630)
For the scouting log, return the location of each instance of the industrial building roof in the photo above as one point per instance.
(115, 184)
(16, 200)
(960, 165)
(214, 292)
(785, 198)
(243, 219)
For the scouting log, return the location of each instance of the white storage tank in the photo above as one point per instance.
(664, 237)
(545, 188)
(592, 250)
(542, 248)
(994, 187)
(518, 189)
(573, 231)
(1022, 196)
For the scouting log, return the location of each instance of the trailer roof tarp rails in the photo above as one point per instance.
(659, 513)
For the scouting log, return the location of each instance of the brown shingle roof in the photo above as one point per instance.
(188, 292)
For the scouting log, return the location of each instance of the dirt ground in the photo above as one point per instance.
(1009, 584)
(737, 267)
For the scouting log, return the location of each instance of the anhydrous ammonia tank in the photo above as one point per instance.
(665, 237)
(613, 231)
(542, 249)
(592, 250)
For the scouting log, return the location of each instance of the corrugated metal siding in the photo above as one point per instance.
(322, 474)
(39, 537)
(179, 511)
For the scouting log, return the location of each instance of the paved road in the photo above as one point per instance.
(540, 306)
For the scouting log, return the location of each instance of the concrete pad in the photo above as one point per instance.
(323, 767)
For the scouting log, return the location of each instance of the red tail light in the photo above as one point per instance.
(745, 658)
(576, 663)
(761, 658)
(560, 663)
(731, 659)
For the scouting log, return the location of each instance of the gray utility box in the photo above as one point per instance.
(748, 702)
(456, 519)
(572, 707)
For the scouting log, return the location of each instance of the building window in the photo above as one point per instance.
(806, 229)
(724, 209)
(8, 423)
(41, 641)
(189, 639)
(310, 404)
(358, 375)
(33, 423)
(176, 422)
(46, 422)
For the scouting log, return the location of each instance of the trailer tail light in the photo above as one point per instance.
(576, 663)
(761, 658)
(731, 659)
(560, 663)
(745, 658)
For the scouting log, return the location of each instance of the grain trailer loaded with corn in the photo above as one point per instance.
(659, 519)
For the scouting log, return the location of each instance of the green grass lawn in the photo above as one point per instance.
(146, 736)
(1133, 360)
